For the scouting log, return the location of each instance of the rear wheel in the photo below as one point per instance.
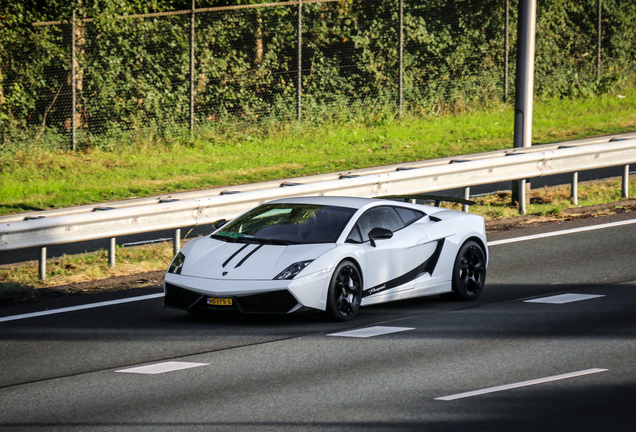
(469, 272)
(345, 292)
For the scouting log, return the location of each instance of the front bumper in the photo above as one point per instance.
(248, 296)
(281, 301)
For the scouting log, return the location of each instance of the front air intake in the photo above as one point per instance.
(270, 302)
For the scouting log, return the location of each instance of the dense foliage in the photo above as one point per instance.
(134, 72)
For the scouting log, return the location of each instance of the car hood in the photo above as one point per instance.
(215, 259)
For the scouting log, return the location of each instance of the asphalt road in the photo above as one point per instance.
(533, 366)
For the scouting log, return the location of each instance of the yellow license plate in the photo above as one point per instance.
(219, 301)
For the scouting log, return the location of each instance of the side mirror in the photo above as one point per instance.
(379, 234)
(218, 224)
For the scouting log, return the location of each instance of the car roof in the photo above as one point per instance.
(338, 201)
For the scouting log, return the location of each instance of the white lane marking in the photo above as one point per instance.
(82, 307)
(520, 384)
(564, 298)
(371, 331)
(160, 368)
(562, 232)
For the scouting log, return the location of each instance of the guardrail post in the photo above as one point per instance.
(574, 190)
(42, 263)
(176, 243)
(465, 207)
(520, 194)
(111, 252)
(626, 182)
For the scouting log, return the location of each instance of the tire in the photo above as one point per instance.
(469, 272)
(345, 292)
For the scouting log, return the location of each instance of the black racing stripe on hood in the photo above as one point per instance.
(426, 267)
(234, 254)
(248, 255)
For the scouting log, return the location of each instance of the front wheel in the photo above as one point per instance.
(469, 272)
(345, 292)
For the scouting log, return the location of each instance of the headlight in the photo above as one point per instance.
(291, 271)
(177, 264)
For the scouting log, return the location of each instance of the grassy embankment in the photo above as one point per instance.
(33, 178)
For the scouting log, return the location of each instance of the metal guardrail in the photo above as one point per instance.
(188, 209)
(160, 199)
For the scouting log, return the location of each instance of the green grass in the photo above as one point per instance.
(149, 162)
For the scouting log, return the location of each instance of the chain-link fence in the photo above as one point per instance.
(97, 72)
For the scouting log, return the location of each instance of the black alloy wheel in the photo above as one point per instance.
(345, 292)
(469, 272)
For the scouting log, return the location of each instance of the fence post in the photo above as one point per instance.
(598, 48)
(192, 27)
(73, 86)
(299, 42)
(506, 49)
(401, 59)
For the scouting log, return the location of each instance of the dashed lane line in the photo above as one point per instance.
(163, 367)
(371, 331)
(564, 298)
(520, 384)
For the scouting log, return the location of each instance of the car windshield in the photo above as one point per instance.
(288, 224)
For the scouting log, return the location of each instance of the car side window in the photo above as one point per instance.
(408, 215)
(379, 217)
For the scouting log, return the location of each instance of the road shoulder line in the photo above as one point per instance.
(562, 232)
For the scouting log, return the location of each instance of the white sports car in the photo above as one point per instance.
(331, 254)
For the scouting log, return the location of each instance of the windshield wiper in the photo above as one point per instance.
(274, 241)
(225, 238)
(253, 240)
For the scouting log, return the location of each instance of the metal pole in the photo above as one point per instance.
(176, 243)
(465, 207)
(42, 263)
(626, 182)
(192, 26)
(299, 84)
(575, 188)
(111, 252)
(598, 48)
(73, 85)
(524, 88)
(401, 60)
(506, 49)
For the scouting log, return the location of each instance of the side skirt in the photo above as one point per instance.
(430, 290)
